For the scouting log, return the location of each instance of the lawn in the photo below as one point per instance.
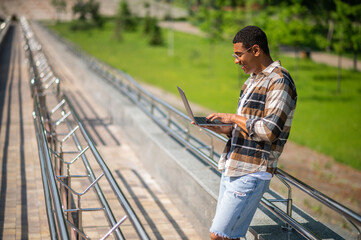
(326, 121)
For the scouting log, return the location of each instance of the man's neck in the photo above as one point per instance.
(264, 63)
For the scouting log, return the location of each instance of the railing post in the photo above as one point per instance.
(57, 81)
(169, 120)
(80, 216)
(152, 107)
(211, 148)
(188, 134)
(139, 96)
(289, 203)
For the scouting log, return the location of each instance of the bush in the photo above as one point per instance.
(87, 11)
(81, 25)
(156, 36)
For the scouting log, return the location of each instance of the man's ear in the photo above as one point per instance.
(256, 50)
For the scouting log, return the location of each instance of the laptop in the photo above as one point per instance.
(201, 121)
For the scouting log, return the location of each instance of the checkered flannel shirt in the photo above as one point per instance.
(269, 110)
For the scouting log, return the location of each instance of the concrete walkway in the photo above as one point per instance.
(22, 205)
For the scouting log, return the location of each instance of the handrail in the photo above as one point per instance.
(341, 209)
(133, 217)
(48, 202)
(148, 103)
(4, 27)
(59, 196)
(60, 223)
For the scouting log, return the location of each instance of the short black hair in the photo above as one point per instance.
(251, 35)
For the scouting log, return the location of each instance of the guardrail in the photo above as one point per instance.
(177, 124)
(62, 142)
(4, 27)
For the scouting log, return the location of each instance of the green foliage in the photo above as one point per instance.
(124, 20)
(297, 23)
(211, 19)
(129, 21)
(80, 8)
(148, 21)
(82, 25)
(93, 9)
(324, 121)
(156, 36)
(60, 6)
(88, 15)
(348, 26)
(152, 29)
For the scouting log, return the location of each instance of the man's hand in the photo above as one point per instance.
(223, 117)
(229, 118)
(220, 129)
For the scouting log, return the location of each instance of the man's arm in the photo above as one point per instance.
(279, 105)
(227, 130)
(229, 118)
(280, 101)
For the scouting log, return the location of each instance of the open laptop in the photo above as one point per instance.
(201, 121)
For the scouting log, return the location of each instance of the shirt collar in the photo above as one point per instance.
(267, 71)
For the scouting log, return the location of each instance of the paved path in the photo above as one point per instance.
(22, 206)
(330, 59)
(44, 10)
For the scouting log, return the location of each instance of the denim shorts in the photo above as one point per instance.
(238, 200)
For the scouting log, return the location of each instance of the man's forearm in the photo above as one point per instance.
(240, 121)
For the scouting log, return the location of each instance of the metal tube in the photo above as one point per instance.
(132, 216)
(80, 214)
(47, 196)
(344, 211)
(63, 231)
(100, 195)
(284, 217)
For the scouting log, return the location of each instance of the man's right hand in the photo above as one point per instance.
(220, 129)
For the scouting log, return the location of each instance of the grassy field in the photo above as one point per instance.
(326, 121)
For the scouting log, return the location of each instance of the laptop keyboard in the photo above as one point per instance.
(204, 120)
(201, 120)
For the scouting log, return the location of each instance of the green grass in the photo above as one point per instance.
(326, 121)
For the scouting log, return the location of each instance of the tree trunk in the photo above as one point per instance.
(339, 73)
(331, 27)
(355, 61)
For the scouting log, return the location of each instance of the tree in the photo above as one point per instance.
(87, 9)
(88, 15)
(342, 27)
(156, 37)
(92, 8)
(211, 19)
(119, 23)
(124, 20)
(148, 21)
(80, 8)
(60, 6)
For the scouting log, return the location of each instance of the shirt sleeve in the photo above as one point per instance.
(280, 102)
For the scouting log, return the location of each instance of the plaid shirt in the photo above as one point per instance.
(269, 110)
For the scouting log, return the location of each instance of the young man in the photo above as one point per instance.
(260, 130)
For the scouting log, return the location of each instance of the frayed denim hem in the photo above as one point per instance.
(225, 236)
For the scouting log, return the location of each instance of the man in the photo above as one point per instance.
(260, 130)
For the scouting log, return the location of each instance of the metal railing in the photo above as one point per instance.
(63, 142)
(177, 124)
(4, 27)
